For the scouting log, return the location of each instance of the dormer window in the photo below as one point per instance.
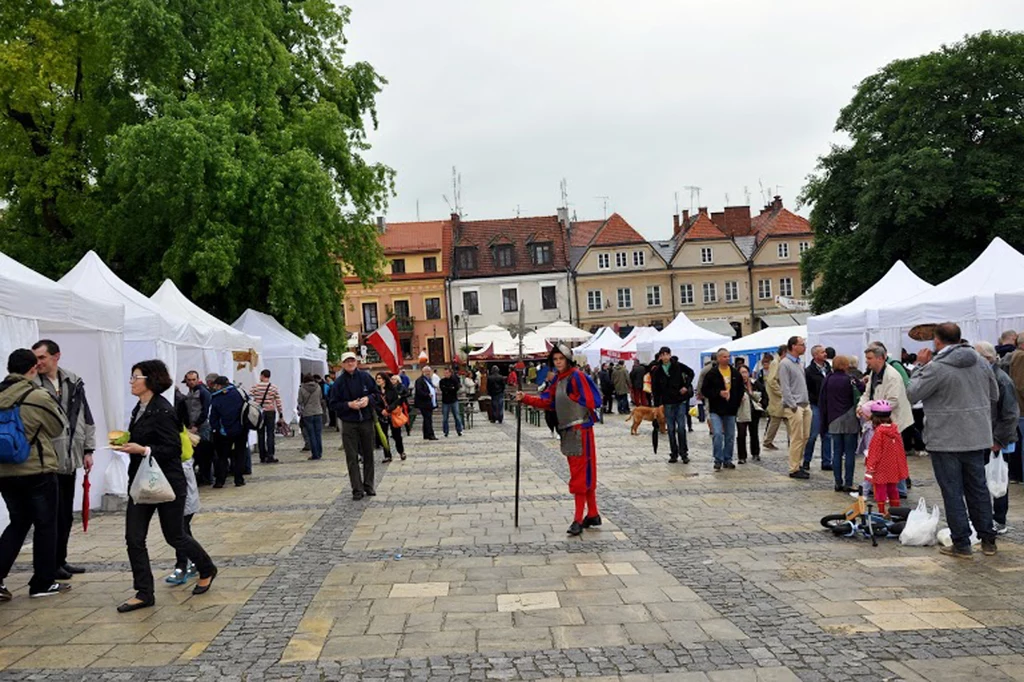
(541, 253)
(465, 258)
(503, 257)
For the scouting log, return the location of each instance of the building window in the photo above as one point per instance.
(710, 292)
(433, 308)
(503, 256)
(398, 266)
(471, 302)
(639, 259)
(625, 297)
(732, 292)
(685, 294)
(786, 286)
(548, 297)
(465, 258)
(509, 300)
(430, 264)
(370, 322)
(783, 250)
(804, 246)
(595, 301)
(402, 315)
(541, 254)
(604, 261)
(620, 259)
(707, 255)
(764, 289)
(654, 295)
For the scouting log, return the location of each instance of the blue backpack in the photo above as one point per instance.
(15, 446)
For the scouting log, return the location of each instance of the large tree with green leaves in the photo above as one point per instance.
(216, 142)
(934, 169)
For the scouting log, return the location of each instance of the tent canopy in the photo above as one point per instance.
(488, 334)
(685, 338)
(627, 348)
(278, 341)
(223, 335)
(757, 344)
(560, 330)
(899, 284)
(593, 339)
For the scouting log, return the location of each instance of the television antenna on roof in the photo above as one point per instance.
(694, 192)
(455, 207)
(604, 202)
(563, 187)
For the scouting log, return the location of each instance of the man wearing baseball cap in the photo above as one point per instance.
(353, 398)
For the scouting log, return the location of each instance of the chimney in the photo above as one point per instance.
(382, 225)
(776, 202)
(703, 209)
(686, 217)
(718, 219)
(737, 221)
(563, 217)
(675, 224)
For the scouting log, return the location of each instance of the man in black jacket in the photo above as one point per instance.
(450, 401)
(426, 401)
(816, 372)
(636, 383)
(672, 388)
(723, 389)
(353, 396)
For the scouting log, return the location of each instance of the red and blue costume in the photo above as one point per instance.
(581, 390)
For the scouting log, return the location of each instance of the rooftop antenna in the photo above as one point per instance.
(764, 197)
(778, 190)
(455, 207)
(726, 198)
(517, 210)
(677, 203)
(604, 201)
(694, 192)
(746, 194)
(563, 186)
(417, 210)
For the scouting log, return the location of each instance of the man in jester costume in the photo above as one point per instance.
(573, 397)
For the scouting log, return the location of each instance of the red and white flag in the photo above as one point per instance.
(385, 341)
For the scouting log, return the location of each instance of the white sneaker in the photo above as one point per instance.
(999, 528)
(54, 589)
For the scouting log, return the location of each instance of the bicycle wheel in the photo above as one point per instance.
(900, 513)
(837, 523)
(897, 528)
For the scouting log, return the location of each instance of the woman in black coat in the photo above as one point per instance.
(394, 399)
(155, 431)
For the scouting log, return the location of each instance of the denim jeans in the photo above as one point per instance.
(844, 457)
(623, 401)
(826, 442)
(450, 409)
(961, 475)
(723, 437)
(314, 430)
(676, 423)
(498, 408)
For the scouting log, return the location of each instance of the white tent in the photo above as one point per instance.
(684, 338)
(285, 354)
(968, 298)
(319, 352)
(560, 330)
(490, 333)
(578, 350)
(756, 345)
(605, 339)
(627, 349)
(170, 298)
(149, 331)
(533, 345)
(846, 328)
(90, 336)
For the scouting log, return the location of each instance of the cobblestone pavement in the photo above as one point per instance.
(694, 576)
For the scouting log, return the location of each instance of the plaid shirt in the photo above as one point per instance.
(264, 395)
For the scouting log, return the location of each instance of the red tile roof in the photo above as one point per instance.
(583, 231)
(703, 228)
(779, 222)
(521, 232)
(617, 231)
(401, 238)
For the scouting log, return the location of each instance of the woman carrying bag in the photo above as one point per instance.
(155, 438)
(395, 402)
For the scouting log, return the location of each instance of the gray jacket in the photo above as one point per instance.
(1006, 412)
(793, 380)
(79, 438)
(959, 392)
(309, 400)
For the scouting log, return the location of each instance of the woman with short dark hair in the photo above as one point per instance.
(155, 431)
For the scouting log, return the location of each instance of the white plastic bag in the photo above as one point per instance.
(921, 526)
(945, 537)
(115, 480)
(150, 485)
(997, 475)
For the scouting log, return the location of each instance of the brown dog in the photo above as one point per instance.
(651, 414)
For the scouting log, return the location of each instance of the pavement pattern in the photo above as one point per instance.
(695, 575)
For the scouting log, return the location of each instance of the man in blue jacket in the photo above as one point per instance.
(352, 398)
(229, 433)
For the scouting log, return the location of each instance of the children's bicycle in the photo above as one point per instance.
(859, 519)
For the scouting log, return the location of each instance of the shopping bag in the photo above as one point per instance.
(945, 537)
(921, 527)
(150, 485)
(997, 475)
(115, 480)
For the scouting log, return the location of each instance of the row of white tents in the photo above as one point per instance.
(104, 326)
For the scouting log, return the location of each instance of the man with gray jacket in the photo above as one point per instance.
(74, 447)
(1005, 414)
(959, 390)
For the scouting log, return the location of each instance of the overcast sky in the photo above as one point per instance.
(630, 100)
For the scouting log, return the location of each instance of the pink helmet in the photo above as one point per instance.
(880, 407)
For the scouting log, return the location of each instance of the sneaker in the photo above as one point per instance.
(5, 594)
(988, 547)
(191, 571)
(56, 588)
(718, 466)
(955, 551)
(673, 460)
(592, 521)
(177, 577)
(799, 473)
(841, 489)
(729, 465)
(999, 528)
(575, 529)
(686, 459)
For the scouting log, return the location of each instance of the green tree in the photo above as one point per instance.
(216, 142)
(932, 173)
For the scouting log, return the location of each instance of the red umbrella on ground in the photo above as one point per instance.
(85, 503)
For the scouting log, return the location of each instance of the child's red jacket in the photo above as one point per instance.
(887, 461)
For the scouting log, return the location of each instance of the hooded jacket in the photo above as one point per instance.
(620, 380)
(666, 386)
(226, 412)
(80, 437)
(43, 421)
(310, 404)
(959, 390)
(1005, 413)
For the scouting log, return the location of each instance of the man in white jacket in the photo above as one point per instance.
(884, 382)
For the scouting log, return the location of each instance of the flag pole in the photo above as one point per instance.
(519, 406)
